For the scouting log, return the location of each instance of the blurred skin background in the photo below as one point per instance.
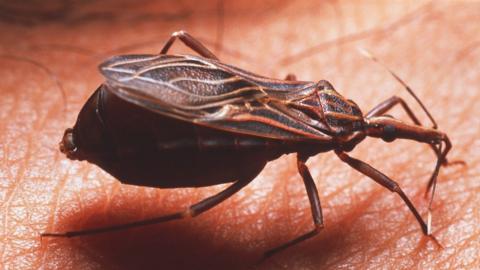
(49, 52)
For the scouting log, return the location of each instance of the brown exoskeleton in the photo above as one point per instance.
(175, 121)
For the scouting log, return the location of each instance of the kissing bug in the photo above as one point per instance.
(174, 121)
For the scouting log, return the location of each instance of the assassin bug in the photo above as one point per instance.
(175, 121)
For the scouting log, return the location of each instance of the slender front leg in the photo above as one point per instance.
(314, 204)
(385, 181)
(405, 86)
(388, 104)
(190, 42)
(191, 211)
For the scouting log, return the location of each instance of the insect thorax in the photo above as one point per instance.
(342, 115)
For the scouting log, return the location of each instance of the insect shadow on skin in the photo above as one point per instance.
(173, 121)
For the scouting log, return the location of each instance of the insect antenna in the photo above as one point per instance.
(409, 90)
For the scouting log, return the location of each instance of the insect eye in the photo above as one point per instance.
(389, 133)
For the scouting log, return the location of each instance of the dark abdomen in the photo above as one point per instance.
(141, 147)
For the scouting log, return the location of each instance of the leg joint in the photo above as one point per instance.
(394, 187)
(189, 212)
(344, 157)
(318, 227)
(179, 33)
(301, 167)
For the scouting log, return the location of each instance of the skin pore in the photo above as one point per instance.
(48, 68)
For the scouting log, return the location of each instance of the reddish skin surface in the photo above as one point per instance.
(434, 47)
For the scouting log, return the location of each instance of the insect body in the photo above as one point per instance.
(189, 121)
(152, 139)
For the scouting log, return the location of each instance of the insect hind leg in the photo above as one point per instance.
(190, 42)
(191, 211)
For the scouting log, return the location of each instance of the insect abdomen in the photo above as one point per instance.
(141, 147)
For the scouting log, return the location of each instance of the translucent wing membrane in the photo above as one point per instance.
(209, 93)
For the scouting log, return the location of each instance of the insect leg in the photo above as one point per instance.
(388, 104)
(405, 86)
(385, 181)
(314, 203)
(190, 42)
(291, 77)
(192, 211)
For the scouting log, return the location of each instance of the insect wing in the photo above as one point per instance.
(197, 90)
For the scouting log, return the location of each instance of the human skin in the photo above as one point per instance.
(434, 47)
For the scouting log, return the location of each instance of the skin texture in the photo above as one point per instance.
(432, 46)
